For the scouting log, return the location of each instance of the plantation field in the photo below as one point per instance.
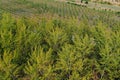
(95, 5)
(52, 8)
(52, 40)
(104, 6)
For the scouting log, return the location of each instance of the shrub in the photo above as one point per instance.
(56, 49)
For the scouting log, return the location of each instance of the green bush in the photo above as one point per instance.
(53, 49)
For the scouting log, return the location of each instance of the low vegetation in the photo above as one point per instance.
(58, 42)
(54, 49)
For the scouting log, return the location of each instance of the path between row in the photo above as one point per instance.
(97, 6)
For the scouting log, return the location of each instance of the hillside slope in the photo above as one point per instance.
(44, 8)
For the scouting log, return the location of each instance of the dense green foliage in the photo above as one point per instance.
(58, 41)
(43, 49)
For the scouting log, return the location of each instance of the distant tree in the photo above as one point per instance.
(86, 1)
